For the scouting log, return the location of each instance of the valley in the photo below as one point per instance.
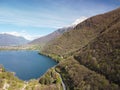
(88, 57)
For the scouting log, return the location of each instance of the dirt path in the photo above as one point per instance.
(25, 85)
(6, 86)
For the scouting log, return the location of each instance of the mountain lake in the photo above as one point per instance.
(26, 64)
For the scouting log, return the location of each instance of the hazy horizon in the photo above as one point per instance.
(36, 18)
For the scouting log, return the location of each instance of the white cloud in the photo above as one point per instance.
(28, 18)
(22, 34)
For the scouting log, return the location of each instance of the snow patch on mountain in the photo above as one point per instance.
(79, 20)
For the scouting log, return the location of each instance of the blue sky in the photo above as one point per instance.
(35, 18)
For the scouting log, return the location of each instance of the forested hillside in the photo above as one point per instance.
(89, 55)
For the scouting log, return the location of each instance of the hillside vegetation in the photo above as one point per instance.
(90, 53)
(50, 81)
(82, 34)
(103, 54)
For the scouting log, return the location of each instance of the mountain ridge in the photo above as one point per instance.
(11, 40)
(92, 47)
(45, 39)
(57, 33)
(88, 30)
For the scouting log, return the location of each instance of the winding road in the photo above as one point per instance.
(63, 85)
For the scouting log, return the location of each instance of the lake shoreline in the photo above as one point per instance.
(40, 53)
(38, 62)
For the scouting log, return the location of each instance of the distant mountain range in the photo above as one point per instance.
(10, 40)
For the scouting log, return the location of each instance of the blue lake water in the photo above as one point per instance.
(26, 64)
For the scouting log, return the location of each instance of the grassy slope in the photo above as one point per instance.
(50, 81)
